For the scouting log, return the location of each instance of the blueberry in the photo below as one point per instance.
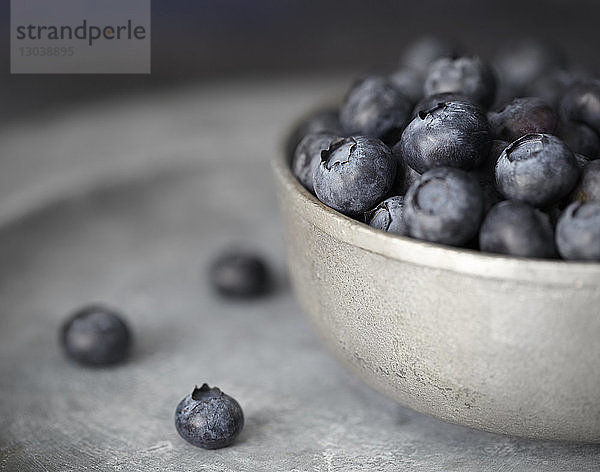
(580, 138)
(578, 232)
(321, 121)
(355, 174)
(551, 86)
(454, 134)
(389, 216)
(468, 76)
(445, 206)
(431, 101)
(486, 175)
(581, 103)
(518, 229)
(239, 274)
(308, 156)
(96, 335)
(209, 418)
(522, 116)
(405, 175)
(409, 82)
(538, 169)
(375, 107)
(420, 54)
(588, 189)
(520, 64)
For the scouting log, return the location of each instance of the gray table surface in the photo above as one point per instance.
(126, 202)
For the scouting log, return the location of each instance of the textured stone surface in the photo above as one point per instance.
(127, 203)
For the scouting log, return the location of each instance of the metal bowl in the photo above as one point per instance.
(503, 344)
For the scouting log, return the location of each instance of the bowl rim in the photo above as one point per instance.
(423, 253)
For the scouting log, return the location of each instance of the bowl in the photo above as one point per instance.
(503, 344)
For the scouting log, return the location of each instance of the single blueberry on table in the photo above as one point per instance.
(581, 103)
(355, 174)
(325, 120)
(588, 188)
(375, 107)
(308, 157)
(578, 232)
(421, 53)
(445, 206)
(389, 216)
(517, 229)
(522, 116)
(454, 134)
(240, 274)
(538, 169)
(468, 76)
(96, 335)
(209, 418)
(580, 138)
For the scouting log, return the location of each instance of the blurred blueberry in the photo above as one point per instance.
(454, 134)
(375, 107)
(355, 174)
(409, 82)
(551, 86)
(517, 229)
(320, 121)
(468, 76)
(588, 188)
(96, 335)
(538, 169)
(445, 206)
(578, 232)
(421, 53)
(239, 274)
(580, 138)
(520, 64)
(389, 216)
(308, 157)
(522, 116)
(581, 103)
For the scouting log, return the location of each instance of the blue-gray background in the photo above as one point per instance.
(207, 40)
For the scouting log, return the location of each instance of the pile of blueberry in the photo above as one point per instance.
(500, 157)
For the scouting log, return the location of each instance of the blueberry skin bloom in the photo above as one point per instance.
(444, 206)
(522, 116)
(469, 76)
(580, 138)
(307, 157)
(355, 174)
(209, 418)
(578, 232)
(375, 107)
(581, 102)
(538, 169)
(453, 134)
(517, 229)
(95, 336)
(389, 216)
(239, 274)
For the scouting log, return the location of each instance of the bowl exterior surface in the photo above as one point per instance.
(501, 344)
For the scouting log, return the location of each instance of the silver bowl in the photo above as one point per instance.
(502, 344)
